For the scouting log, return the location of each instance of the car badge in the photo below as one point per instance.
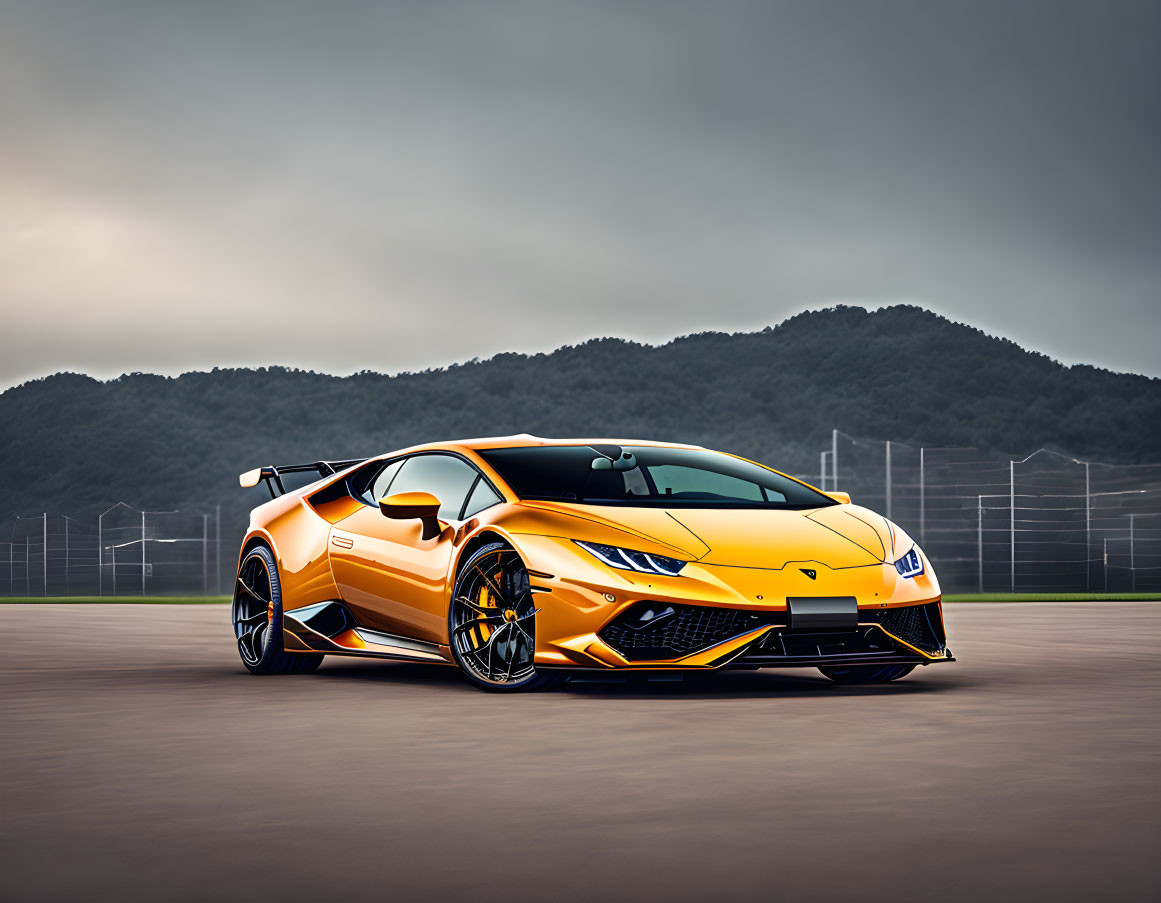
(809, 572)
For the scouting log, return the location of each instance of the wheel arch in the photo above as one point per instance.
(527, 678)
(477, 541)
(257, 538)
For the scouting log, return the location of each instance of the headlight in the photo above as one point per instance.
(910, 565)
(628, 560)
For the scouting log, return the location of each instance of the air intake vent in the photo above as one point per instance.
(919, 625)
(658, 630)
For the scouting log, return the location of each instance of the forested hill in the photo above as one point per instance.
(72, 444)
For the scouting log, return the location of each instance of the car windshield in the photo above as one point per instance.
(656, 477)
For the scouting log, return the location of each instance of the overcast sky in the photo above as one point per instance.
(345, 186)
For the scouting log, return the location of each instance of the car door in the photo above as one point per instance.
(391, 578)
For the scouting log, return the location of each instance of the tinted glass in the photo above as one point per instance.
(380, 484)
(483, 496)
(672, 479)
(445, 477)
(660, 477)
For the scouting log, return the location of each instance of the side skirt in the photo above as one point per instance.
(329, 627)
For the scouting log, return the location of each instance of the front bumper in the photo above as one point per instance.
(675, 632)
(735, 615)
(698, 637)
(908, 635)
(726, 617)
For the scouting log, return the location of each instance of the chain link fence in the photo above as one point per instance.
(123, 552)
(990, 522)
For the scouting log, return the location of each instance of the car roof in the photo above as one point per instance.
(525, 440)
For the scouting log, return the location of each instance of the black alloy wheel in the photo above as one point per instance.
(257, 616)
(492, 623)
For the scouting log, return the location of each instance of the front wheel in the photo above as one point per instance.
(257, 617)
(867, 674)
(492, 623)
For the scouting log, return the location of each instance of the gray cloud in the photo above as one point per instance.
(343, 186)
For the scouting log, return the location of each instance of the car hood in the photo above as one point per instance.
(838, 535)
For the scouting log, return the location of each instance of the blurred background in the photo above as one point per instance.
(895, 248)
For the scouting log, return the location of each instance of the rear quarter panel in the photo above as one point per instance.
(298, 538)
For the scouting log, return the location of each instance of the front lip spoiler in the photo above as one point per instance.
(817, 661)
(745, 651)
(740, 662)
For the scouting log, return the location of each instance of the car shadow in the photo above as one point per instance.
(768, 682)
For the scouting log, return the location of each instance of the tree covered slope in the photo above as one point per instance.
(72, 444)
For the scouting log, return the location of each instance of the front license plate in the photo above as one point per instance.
(814, 613)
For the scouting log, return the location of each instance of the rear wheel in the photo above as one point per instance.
(257, 616)
(492, 623)
(867, 674)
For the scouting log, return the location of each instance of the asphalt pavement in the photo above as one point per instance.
(139, 761)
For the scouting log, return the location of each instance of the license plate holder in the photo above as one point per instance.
(823, 613)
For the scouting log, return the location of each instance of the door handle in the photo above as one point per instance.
(343, 542)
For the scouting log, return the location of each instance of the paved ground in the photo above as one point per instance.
(138, 761)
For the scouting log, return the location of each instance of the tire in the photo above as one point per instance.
(257, 617)
(867, 674)
(492, 623)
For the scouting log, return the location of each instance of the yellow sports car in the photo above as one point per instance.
(524, 560)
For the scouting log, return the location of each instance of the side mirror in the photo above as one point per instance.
(422, 506)
(843, 498)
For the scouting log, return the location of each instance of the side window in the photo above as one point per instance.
(445, 477)
(635, 482)
(483, 496)
(672, 479)
(380, 484)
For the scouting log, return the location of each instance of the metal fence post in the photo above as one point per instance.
(205, 555)
(66, 522)
(1012, 519)
(888, 492)
(834, 460)
(1087, 529)
(1106, 563)
(922, 499)
(218, 549)
(100, 557)
(1132, 556)
(980, 542)
(822, 471)
(142, 553)
(44, 555)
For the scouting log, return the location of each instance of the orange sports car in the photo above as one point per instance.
(524, 560)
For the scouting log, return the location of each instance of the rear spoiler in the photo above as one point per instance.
(272, 476)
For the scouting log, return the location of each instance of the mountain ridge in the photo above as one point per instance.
(287, 368)
(74, 444)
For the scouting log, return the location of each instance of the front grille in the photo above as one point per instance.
(919, 625)
(689, 629)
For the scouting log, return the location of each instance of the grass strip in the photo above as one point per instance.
(115, 600)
